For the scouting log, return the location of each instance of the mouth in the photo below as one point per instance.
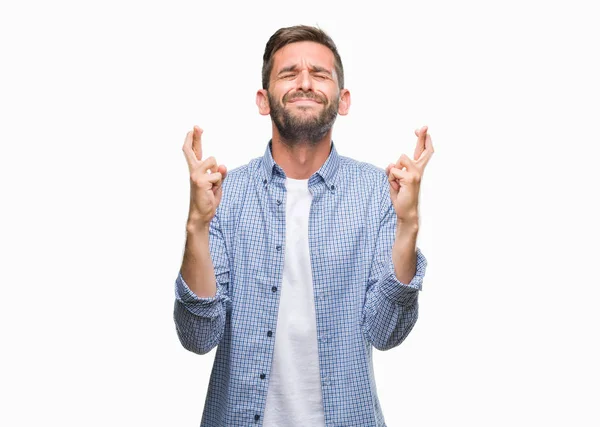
(300, 98)
(303, 101)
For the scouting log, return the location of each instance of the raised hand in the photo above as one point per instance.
(405, 178)
(206, 179)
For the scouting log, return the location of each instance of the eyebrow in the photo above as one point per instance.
(313, 68)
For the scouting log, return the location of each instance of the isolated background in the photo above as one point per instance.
(96, 98)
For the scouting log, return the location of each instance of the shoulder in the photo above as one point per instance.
(370, 182)
(239, 180)
(363, 172)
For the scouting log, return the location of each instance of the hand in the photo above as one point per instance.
(206, 179)
(405, 178)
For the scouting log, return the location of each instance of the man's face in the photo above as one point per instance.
(303, 91)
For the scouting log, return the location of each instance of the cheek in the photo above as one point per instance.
(286, 93)
(329, 90)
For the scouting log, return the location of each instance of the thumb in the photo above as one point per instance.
(394, 186)
(223, 170)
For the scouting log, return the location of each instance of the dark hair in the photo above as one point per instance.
(298, 33)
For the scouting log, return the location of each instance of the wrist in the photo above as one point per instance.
(407, 228)
(196, 226)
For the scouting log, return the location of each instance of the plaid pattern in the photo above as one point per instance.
(359, 302)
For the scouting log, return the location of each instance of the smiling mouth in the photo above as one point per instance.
(303, 101)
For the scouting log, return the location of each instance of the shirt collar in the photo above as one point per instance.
(327, 171)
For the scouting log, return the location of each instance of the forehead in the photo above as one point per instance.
(304, 53)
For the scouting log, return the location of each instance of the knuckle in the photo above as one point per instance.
(197, 177)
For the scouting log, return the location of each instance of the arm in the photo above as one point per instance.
(201, 286)
(200, 317)
(391, 306)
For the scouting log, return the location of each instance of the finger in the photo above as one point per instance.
(405, 162)
(197, 142)
(222, 170)
(392, 180)
(190, 157)
(427, 153)
(387, 170)
(418, 130)
(421, 135)
(209, 164)
(215, 178)
(400, 175)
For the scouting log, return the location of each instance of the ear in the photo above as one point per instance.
(344, 106)
(262, 102)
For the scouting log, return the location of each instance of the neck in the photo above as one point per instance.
(300, 159)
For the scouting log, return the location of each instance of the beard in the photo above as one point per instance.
(294, 129)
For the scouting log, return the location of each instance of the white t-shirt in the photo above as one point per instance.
(294, 395)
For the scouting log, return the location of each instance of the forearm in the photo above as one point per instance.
(200, 302)
(404, 251)
(197, 268)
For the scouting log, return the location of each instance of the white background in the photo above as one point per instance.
(96, 98)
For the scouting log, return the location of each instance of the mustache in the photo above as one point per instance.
(307, 95)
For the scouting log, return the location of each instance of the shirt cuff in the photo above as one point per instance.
(399, 292)
(202, 307)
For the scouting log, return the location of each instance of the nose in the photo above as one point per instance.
(304, 81)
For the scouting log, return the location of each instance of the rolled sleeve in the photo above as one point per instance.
(202, 307)
(398, 292)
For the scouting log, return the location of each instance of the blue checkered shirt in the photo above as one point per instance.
(359, 302)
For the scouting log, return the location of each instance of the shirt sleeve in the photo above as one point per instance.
(200, 322)
(391, 307)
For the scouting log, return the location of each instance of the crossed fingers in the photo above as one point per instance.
(192, 149)
(411, 170)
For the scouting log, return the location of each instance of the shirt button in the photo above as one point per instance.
(256, 417)
(270, 334)
(278, 202)
(262, 376)
(265, 182)
(332, 187)
(274, 288)
(278, 247)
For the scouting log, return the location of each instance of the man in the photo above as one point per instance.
(301, 261)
